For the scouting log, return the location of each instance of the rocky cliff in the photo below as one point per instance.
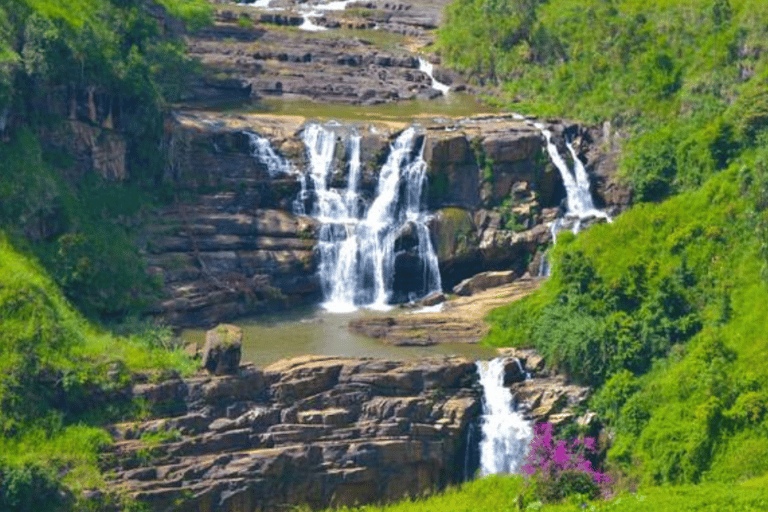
(321, 431)
(230, 245)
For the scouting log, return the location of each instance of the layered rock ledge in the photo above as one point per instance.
(322, 431)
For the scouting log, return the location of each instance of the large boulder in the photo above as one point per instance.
(483, 281)
(222, 349)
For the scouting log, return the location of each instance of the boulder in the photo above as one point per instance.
(483, 281)
(513, 371)
(222, 349)
(433, 299)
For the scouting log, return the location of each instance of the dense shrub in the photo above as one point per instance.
(684, 82)
(30, 486)
(59, 374)
(663, 311)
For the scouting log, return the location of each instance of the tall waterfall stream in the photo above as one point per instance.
(505, 433)
(357, 240)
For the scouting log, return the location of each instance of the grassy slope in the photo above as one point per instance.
(505, 494)
(665, 311)
(60, 378)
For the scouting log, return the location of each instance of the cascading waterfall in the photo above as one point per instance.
(505, 433)
(262, 150)
(580, 204)
(427, 67)
(357, 247)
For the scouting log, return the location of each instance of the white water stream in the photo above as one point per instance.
(262, 150)
(505, 433)
(580, 204)
(357, 246)
(427, 67)
(307, 11)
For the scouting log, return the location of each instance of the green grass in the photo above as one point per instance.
(505, 494)
(61, 378)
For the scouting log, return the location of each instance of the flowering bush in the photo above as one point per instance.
(561, 469)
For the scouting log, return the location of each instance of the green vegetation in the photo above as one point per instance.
(663, 311)
(60, 378)
(113, 67)
(685, 81)
(508, 494)
(666, 308)
(66, 234)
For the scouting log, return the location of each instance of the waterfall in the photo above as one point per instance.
(505, 433)
(262, 150)
(428, 68)
(357, 246)
(580, 204)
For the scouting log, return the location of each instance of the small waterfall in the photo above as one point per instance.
(505, 433)
(580, 204)
(357, 247)
(428, 68)
(262, 150)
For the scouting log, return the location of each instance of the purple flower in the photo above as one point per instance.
(548, 458)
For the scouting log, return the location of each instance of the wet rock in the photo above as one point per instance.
(222, 349)
(549, 398)
(513, 371)
(433, 299)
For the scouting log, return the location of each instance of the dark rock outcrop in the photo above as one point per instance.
(222, 349)
(321, 431)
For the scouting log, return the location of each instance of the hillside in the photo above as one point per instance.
(62, 379)
(664, 310)
(82, 89)
(91, 69)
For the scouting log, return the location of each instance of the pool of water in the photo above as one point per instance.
(454, 105)
(316, 331)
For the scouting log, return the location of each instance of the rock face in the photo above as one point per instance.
(234, 246)
(222, 349)
(494, 190)
(545, 397)
(321, 431)
(246, 46)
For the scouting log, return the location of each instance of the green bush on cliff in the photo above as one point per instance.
(60, 378)
(74, 228)
(53, 52)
